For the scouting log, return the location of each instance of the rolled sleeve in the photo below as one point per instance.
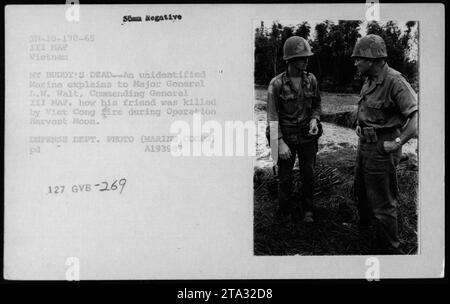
(272, 109)
(316, 109)
(405, 97)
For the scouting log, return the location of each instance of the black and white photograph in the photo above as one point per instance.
(339, 175)
(224, 142)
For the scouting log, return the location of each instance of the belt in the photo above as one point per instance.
(381, 131)
(292, 129)
(302, 130)
(372, 135)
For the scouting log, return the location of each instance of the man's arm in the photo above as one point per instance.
(410, 130)
(406, 101)
(316, 109)
(278, 146)
(272, 111)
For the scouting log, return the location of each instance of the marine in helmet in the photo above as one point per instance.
(386, 119)
(293, 114)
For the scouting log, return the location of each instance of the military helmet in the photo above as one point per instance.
(296, 46)
(370, 46)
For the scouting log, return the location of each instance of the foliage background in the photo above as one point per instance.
(332, 43)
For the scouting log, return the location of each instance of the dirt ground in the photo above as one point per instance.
(334, 137)
(334, 231)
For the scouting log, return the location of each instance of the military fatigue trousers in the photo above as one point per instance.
(306, 152)
(376, 190)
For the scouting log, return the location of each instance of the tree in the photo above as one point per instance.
(374, 28)
(303, 30)
(398, 46)
(321, 48)
(333, 46)
(269, 48)
(262, 54)
(275, 41)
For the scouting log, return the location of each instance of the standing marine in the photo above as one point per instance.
(386, 119)
(293, 114)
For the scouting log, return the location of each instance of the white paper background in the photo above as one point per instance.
(181, 218)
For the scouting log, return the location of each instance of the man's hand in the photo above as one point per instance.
(358, 131)
(313, 129)
(283, 150)
(391, 146)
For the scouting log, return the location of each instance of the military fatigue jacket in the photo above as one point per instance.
(386, 100)
(290, 107)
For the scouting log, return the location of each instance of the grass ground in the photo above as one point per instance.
(333, 232)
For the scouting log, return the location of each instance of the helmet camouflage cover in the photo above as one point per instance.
(370, 46)
(296, 46)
